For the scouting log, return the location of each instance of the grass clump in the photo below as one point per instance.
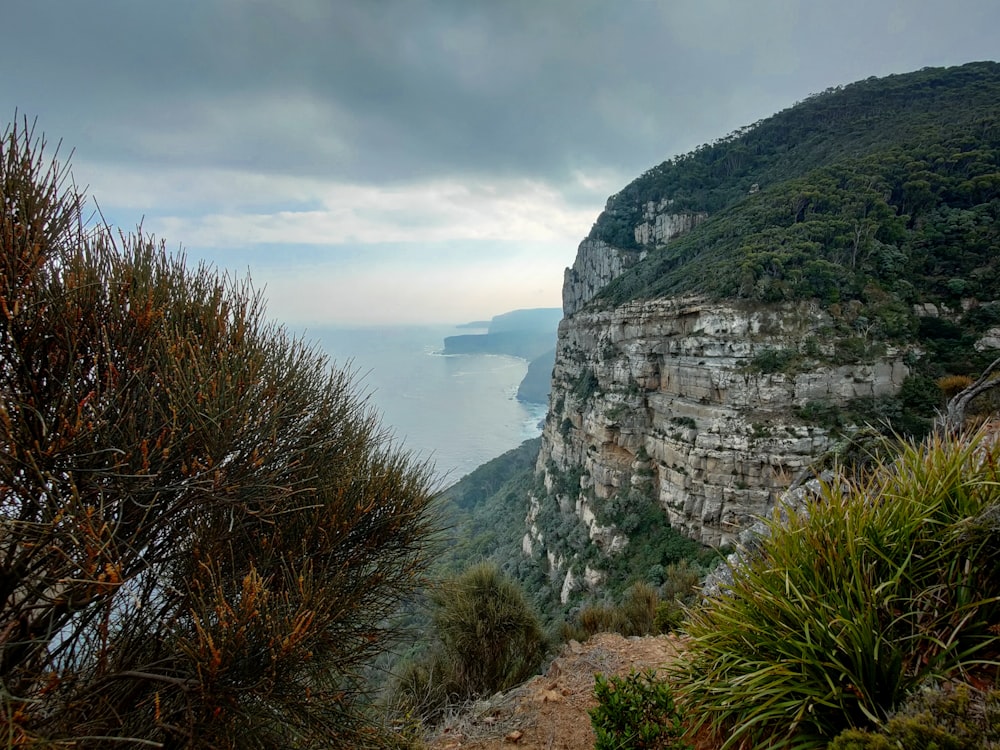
(884, 583)
(486, 625)
(643, 609)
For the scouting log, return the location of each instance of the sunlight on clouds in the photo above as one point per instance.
(249, 208)
(185, 190)
(429, 212)
(439, 251)
(413, 291)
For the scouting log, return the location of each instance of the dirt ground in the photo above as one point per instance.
(549, 712)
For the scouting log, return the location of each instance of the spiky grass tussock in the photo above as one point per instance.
(884, 583)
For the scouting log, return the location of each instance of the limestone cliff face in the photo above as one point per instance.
(671, 383)
(675, 395)
(660, 224)
(597, 264)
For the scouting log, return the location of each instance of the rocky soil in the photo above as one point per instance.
(549, 712)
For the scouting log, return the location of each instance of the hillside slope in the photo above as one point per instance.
(739, 311)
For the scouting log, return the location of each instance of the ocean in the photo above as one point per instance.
(458, 411)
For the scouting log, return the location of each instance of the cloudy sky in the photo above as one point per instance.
(423, 160)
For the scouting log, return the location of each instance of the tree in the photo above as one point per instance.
(953, 420)
(203, 528)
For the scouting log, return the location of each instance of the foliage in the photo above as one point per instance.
(636, 711)
(635, 615)
(488, 631)
(863, 118)
(774, 360)
(935, 720)
(884, 583)
(872, 198)
(203, 529)
(643, 609)
(652, 541)
(585, 385)
(482, 483)
(485, 639)
(597, 618)
(485, 513)
(420, 691)
(638, 607)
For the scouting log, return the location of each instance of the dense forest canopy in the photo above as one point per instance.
(886, 191)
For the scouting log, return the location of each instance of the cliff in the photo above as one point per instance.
(520, 333)
(680, 389)
(537, 382)
(740, 311)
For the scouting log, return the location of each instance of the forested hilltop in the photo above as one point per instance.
(883, 191)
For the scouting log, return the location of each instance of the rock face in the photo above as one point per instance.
(673, 383)
(659, 225)
(705, 405)
(597, 264)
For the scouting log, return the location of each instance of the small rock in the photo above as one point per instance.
(576, 647)
(555, 669)
(514, 737)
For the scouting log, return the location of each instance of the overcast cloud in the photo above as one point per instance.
(377, 160)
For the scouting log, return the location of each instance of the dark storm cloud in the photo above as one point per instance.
(372, 90)
(475, 139)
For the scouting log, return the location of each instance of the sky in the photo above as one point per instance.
(422, 161)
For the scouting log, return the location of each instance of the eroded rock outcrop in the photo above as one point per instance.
(674, 382)
(660, 223)
(596, 265)
(706, 404)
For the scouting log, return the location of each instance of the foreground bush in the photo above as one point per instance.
(489, 632)
(937, 720)
(636, 712)
(488, 640)
(202, 527)
(848, 608)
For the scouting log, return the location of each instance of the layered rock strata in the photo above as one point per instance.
(672, 383)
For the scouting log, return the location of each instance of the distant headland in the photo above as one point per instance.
(529, 334)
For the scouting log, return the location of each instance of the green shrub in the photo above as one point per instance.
(204, 528)
(771, 361)
(938, 720)
(820, 413)
(490, 635)
(585, 385)
(669, 616)
(636, 712)
(636, 614)
(596, 618)
(638, 608)
(885, 583)
(421, 689)
(681, 580)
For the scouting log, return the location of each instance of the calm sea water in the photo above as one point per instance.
(457, 410)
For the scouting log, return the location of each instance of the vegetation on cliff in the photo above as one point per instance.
(879, 199)
(871, 198)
